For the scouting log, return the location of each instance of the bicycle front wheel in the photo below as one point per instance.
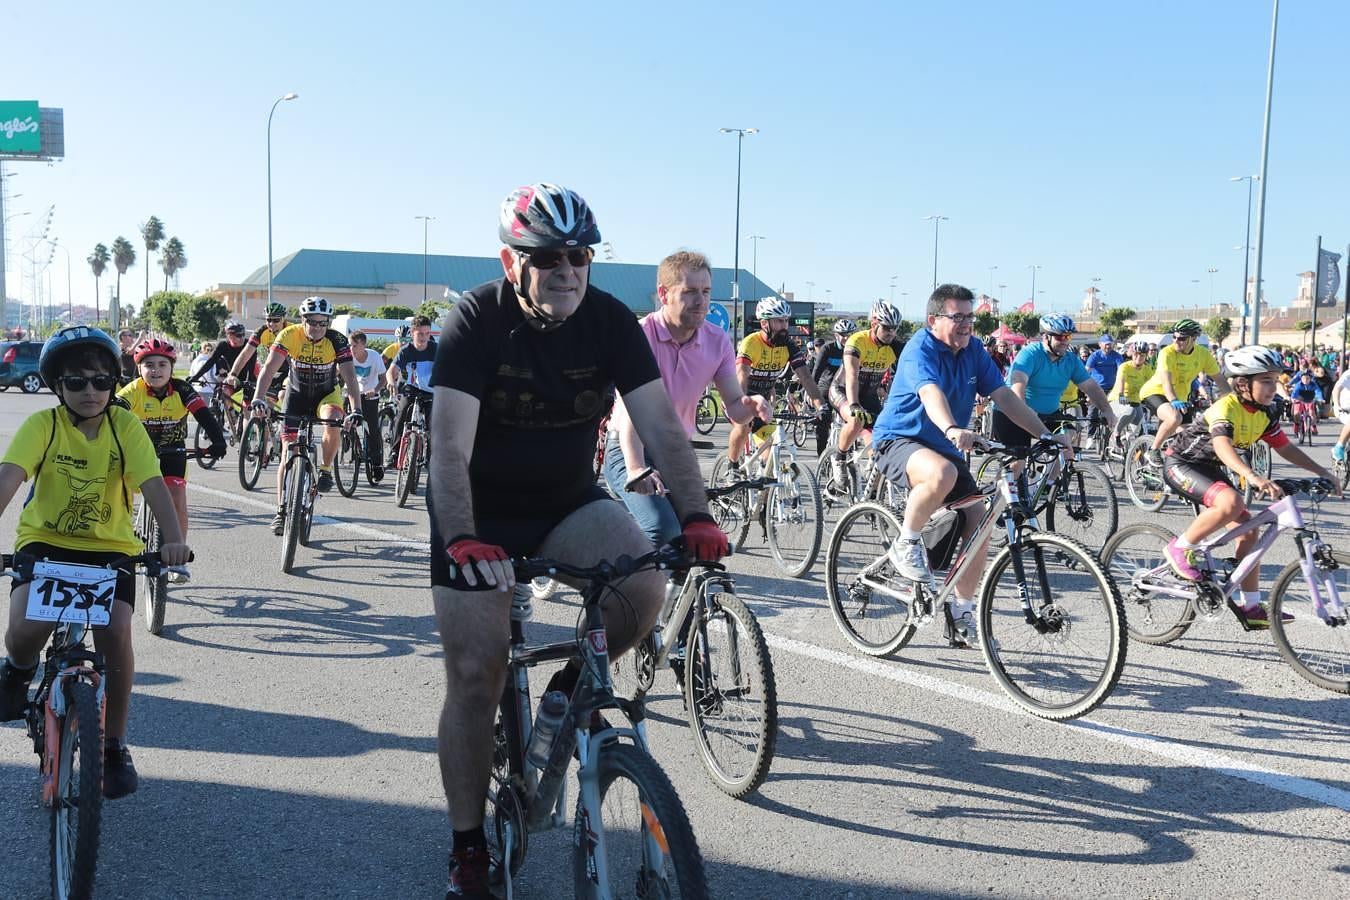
(77, 814)
(1084, 506)
(200, 442)
(643, 844)
(156, 588)
(251, 453)
(1151, 617)
(705, 416)
(1317, 648)
(347, 468)
(297, 485)
(1143, 481)
(862, 586)
(730, 695)
(1067, 659)
(793, 520)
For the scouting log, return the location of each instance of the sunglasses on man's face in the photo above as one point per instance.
(1063, 337)
(316, 322)
(577, 257)
(272, 320)
(1183, 337)
(80, 382)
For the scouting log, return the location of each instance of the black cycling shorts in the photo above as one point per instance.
(1009, 433)
(296, 406)
(868, 400)
(126, 581)
(1197, 482)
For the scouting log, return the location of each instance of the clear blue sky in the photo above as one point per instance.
(1095, 140)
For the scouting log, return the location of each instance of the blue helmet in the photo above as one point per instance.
(1057, 324)
(75, 337)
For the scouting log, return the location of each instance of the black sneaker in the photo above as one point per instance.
(119, 775)
(325, 482)
(279, 522)
(14, 690)
(376, 474)
(469, 874)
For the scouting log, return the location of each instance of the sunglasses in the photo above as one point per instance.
(80, 382)
(272, 320)
(891, 328)
(577, 257)
(1063, 337)
(1183, 337)
(311, 321)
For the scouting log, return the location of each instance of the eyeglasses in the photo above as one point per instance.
(314, 321)
(577, 257)
(80, 382)
(890, 328)
(958, 318)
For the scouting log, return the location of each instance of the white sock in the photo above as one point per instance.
(1251, 599)
(1185, 544)
(907, 534)
(962, 606)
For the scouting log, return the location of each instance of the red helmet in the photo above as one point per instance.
(154, 347)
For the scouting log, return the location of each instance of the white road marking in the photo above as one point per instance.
(1306, 788)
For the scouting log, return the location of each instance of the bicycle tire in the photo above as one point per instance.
(1332, 645)
(1142, 494)
(251, 449)
(800, 496)
(200, 444)
(705, 416)
(77, 815)
(627, 821)
(852, 603)
(732, 512)
(1043, 648)
(709, 701)
(800, 432)
(157, 587)
(407, 469)
(831, 500)
(294, 514)
(347, 467)
(1091, 514)
(1151, 618)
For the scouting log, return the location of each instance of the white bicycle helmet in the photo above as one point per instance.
(316, 306)
(845, 327)
(884, 313)
(773, 308)
(1253, 359)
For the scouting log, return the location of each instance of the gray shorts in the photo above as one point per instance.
(892, 460)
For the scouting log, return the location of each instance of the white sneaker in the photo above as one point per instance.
(910, 559)
(179, 576)
(965, 630)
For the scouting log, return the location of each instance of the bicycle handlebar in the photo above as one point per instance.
(606, 571)
(20, 564)
(1317, 488)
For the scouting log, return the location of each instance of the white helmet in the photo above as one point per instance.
(773, 308)
(316, 306)
(1252, 360)
(845, 327)
(885, 314)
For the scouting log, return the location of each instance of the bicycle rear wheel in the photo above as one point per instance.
(251, 449)
(649, 847)
(1066, 662)
(1143, 481)
(731, 512)
(76, 817)
(347, 469)
(157, 587)
(793, 520)
(1084, 506)
(705, 416)
(1315, 648)
(730, 695)
(875, 622)
(200, 443)
(1151, 617)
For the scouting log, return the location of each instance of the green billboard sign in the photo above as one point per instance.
(19, 127)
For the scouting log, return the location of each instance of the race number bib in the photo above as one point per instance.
(66, 592)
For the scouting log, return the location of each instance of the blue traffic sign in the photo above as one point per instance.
(718, 316)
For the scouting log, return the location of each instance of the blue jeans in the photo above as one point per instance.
(654, 514)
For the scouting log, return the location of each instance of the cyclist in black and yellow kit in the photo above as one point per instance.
(761, 359)
(868, 356)
(249, 362)
(318, 355)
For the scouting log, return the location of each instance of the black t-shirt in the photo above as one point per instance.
(416, 365)
(829, 359)
(543, 394)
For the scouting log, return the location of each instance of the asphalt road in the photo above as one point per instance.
(284, 730)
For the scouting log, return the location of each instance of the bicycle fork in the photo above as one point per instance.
(54, 711)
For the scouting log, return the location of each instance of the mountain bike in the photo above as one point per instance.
(1305, 422)
(156, 585)
(788, 510)
(259, 445)
(706, 414)
(414, 450)
(356, 454)
(226, 412)
(630, 834)
(1051, 623)
(65, 716)
(1149, 491)
(300, 487)
(1312, 591)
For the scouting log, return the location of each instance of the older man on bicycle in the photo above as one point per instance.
(923, 432)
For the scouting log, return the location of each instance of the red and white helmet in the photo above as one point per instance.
(546, 217)
(154, 347)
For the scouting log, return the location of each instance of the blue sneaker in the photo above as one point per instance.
(1338, 452)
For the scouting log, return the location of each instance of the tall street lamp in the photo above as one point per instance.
(244, 297)
(937, 221)
(70, 306)
(1211, 270)
(754, 260)
(425, 221)
(1246, 252)
(1265, 159)
(992, 270)
(810, 290)
(1033, 269)
(736, 255)
(894, 279)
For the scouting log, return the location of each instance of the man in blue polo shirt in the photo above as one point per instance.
(921, 436)
(1103, 365)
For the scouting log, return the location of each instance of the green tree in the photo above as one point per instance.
(1219, 328)
(98, 264)
(986, 323)
(198, 318)
(905, 330)
(393, 312)
(1025, 324)
(343, 309)
(433, 309)
(173, 259)
(1113, 323)
(123, 258)
(161, 310)
(152, 232)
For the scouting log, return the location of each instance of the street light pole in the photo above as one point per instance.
(894, 279)
(1211, 270)
(244, 296)
(754, 259)
(1033, 269)
(992, 269)
(70, 306)
(937, 220)
(810, 290)
(1265, 159)
(1246, 253)
(425, 221)
(736, 255)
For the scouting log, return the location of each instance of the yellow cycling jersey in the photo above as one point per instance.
(874, 360)
(391, 351)
(1183, 367)
(767, 361)
(81, 497)
(165, 418)
(1129, 379)
(1228, 417)
(1070, 394)
(313, 363)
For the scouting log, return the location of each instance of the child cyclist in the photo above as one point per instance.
(162, 403)
(86, 457)
(1193, 465)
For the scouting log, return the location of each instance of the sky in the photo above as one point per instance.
(1093, 140)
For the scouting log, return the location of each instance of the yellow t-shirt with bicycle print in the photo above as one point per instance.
(81, 498)
(1183, 367)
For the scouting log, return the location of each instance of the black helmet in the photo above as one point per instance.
(66, 341)
(546, 217)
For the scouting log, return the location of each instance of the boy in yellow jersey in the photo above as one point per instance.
(86, 457)
(1178, 365)
(1194, 466)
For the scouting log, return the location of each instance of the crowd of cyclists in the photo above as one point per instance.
(525, 371)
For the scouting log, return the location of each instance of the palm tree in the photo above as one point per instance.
(98, 261)
(124, 257)
(172, 259)
(152, 232)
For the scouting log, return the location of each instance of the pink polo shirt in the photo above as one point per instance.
(688, 368)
